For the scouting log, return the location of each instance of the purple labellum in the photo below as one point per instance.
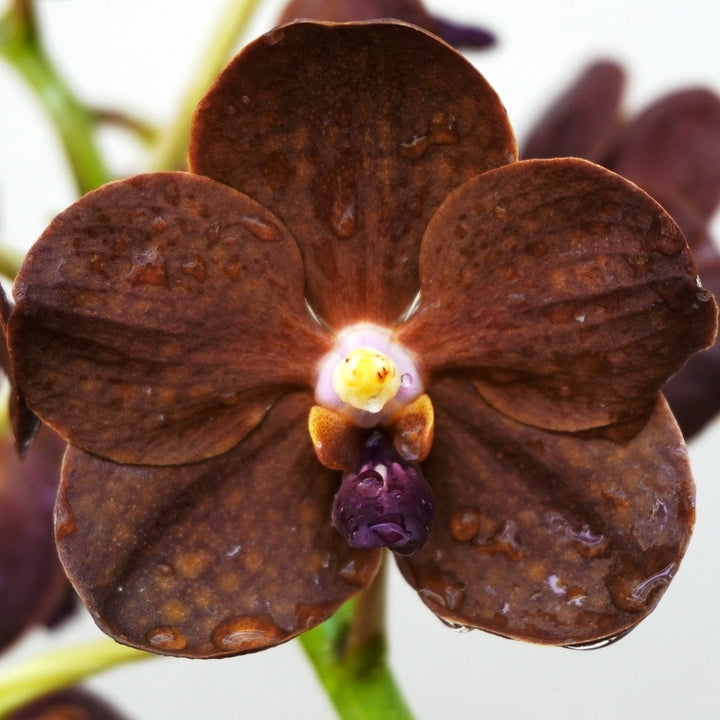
(386, 503)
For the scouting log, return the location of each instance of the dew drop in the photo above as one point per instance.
(443, 129)
(415, 148)
(598, 644)
(166, 570)
(631, 595)
(457, 627)
(464, 524)
(64, 521)
(441, 588)
(342, 216)
(406, 380)
(195, 268)
(261, 229)
(357, 573)
(166, 638)
(500, 212)
(250, 632)
(505, 541)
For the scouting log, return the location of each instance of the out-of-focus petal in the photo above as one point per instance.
(410, 11)
(583, 121)
(673, 147)
(71, 704)
(354, 148)
(159, 317)
(550, 537)
(222, 557)
(568, 292)
(25, 424)
(32, 582)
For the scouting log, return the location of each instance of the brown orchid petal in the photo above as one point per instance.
(70, 704)
(221, 557)
(25, 424)
(354, 148)
(584, 120)
(410, 11)
(549, 537)
(674, 147)
(159, 317)
(32, 582)
(566, 290)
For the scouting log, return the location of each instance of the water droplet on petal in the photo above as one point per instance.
(464, 524)
(250, 632)
(443, 129)
(414, 148)
(633, 595)
(195, 267)
(342, 216)
(441, 588)
(64, 521)
(500, 212)
(166, 638)
(357, 573)
(261, 229)
(274, 36)
(457, 627)
(597, 644)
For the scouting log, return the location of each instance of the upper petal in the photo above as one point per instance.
(158, 317)
(353, 135)
(568, 292)
(226, 556)
(550, 537)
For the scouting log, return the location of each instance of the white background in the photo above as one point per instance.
(137, 55)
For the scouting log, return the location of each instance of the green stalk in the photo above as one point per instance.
(20, 45)
(10, 261)
(60, 668)
(349, 654)
(172, 150)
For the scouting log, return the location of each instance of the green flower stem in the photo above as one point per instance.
(20, 45)
(349, 655)
(171, 153)
(10, 261)
(61, 668)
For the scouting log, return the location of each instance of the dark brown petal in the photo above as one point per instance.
(410, 11)
(550, 537)
(566, 290)
(24, 422)
(159, 317)
(354, 147)
(32, 583)
(222, 557)
(71, 704)
(583, 121)
(673, 148)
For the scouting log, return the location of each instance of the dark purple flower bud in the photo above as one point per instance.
(387, 502)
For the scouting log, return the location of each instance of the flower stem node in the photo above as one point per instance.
(368, 376)
(386, 502)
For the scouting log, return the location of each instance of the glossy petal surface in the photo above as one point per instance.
(566, 290)
(550, 537)
(226, 556)
(353, 148)
(583, 121)
(32, 583)
(158, 317)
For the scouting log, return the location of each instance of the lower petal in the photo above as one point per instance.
(550, 537)
(221, 557)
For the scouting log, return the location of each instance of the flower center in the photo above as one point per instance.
(368, 376)
(367, 379)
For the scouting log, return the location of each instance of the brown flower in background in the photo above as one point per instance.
(672, 150)
(501, 430)
(410, 11)
(33, 586)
